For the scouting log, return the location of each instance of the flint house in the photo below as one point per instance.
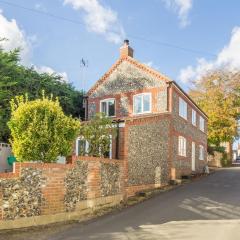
(162, 133)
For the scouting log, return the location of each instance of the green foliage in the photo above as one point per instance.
(98, 133)
(212, 149)
(224, 160)
(16, 79)
(217, 93)
(40, 130)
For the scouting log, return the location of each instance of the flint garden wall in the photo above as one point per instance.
(36, 194)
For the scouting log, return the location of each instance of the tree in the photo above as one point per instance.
(16, 79)
(217, 93)
(40, 131)
(98, 132)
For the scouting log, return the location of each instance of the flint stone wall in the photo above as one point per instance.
(110, 179)
(76, 185)
(148, 154)
(36, 190)
(22, 197)
(126, 78)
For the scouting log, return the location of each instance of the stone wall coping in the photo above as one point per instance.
(96, 159)
(18, 165)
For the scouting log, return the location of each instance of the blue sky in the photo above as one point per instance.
(211, 27)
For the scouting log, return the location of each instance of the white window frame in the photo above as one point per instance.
(194, 117)
(183, 108)
(201, 124)
(201, 152)
(182, 146)
(86, 146)
(142, 94)
(108, 100)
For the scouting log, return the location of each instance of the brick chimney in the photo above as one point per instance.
(126, 50)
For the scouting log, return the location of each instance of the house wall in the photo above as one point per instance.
(36, 194)
(148, 163)
(182, 127)
(123, 83)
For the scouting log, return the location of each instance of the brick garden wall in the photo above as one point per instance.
(38, 193)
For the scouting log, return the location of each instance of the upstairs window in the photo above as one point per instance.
(194, 119)
(182, 146)
(201, 123)
(142, 103)
(107, 106)
(201, 152)
(182, 108)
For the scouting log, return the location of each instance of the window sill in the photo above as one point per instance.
(182, 156)
(183, 118)
(144, 113)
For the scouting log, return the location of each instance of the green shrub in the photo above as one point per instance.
(39, 129)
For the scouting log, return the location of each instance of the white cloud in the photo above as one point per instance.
(39, 6)
(99, 19)
(152, 65)
(228, 58)
(182, 8)
(49, 70)
(16, 37)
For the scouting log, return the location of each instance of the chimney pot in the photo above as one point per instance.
(126, 42)
(126, 50)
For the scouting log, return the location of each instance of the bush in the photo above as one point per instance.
(224, 160)
(39, 129)
(98, 133)
(212, 149)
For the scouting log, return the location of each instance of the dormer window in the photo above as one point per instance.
(107, 106)
(142, 103)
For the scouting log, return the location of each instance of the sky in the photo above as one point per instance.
(180, 38)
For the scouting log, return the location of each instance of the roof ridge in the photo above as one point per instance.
(149, 69)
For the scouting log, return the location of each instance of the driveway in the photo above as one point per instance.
(205, 209)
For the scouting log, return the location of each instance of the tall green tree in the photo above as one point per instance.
(40, 130)
(16, 79)
(218, 94)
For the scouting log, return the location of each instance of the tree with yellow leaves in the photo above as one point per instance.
(218, 94)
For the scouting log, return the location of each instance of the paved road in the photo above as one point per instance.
(205, 209)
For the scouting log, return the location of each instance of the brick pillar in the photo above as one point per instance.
(53, 191)
(94, 180)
